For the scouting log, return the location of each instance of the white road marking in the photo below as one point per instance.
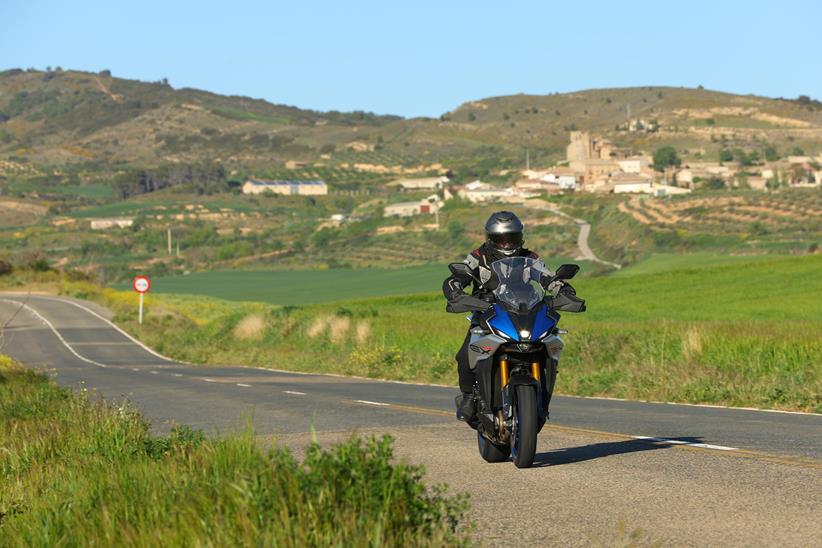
(56, 333)
(208, 380)
(176, 375)
(372, 402)
(135, 369)
(244, 385)
(98, 316)
(688, 443)
(293, 393)
(154, 372)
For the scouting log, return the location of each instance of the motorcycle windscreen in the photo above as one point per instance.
(502, 323)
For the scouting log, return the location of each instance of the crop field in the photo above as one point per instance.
(290, 287)
(760, 220)
(664, 262)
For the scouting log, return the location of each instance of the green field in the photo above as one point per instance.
(665, 262)
(290, 287)
(296, 287)
(76, 472)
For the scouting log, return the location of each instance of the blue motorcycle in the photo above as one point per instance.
(514, 349)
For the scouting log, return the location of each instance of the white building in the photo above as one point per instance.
(112, 222)
(635, 164)
(422, 183)
(428, 205)
(288, 188)
(478, 192)
(633, 187)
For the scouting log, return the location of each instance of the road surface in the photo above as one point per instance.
(605, 469)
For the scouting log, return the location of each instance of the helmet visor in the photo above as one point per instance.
(508, 242)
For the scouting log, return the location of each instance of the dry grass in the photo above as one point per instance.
(250, 328)
(362, 333)
(318, 327)
(338, 328)
(692, 344)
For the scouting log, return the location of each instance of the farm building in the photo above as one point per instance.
(423, 183)
(429, 205)
(478, 191)
(288, 188)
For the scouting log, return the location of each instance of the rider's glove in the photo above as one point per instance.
(554, 287)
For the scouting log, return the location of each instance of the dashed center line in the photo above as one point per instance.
(208, 380)
(373, 403)
(244, 385)
(154, 372)
(688, 443)
(135, 369)
(292, 392)
(176, 375)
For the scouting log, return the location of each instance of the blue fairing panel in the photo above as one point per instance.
(502, 323)
(543, 323)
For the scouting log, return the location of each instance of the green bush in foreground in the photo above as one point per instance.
(74, 471)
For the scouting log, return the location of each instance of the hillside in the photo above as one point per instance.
(106, 123)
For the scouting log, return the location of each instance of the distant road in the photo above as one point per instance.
(585, 251)
(686, 475)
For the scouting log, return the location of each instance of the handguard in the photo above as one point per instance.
(567, 302)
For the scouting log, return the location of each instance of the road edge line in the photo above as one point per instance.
(56, 333)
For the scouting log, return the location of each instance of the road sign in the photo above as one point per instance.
(141, 285)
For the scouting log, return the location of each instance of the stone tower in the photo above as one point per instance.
(580, 147)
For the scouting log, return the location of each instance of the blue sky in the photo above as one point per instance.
(423, 58)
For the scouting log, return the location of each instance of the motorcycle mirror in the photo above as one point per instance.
(462, 270)
(566, 271)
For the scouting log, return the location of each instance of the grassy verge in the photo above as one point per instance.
(74, 471)
(738, 334)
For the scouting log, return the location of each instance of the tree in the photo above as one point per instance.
(455, 229)
(797, 151)
(665, 157)
(471, 116)
(726, 155)
(771, 154)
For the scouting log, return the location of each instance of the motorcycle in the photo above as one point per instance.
(514, 349)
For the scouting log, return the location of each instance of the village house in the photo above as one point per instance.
(429, 205)
(637, 164)
(288, 188)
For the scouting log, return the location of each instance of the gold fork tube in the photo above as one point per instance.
(503, 372)
(535, 370)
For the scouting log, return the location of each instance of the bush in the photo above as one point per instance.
(5, 268)
(75, 471)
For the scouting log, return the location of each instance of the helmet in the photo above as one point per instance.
(503, 233)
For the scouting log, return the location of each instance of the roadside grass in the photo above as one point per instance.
(75, 471)
(745, 334)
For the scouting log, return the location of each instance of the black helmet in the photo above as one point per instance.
(503, 232)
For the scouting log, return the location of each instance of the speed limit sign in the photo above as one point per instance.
(141, 285)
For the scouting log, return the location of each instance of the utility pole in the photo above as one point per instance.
(169, 242)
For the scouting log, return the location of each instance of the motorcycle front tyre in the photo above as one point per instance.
(524, 444)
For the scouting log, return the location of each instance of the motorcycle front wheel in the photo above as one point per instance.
(524, 435)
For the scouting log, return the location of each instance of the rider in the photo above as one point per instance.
(503, 239)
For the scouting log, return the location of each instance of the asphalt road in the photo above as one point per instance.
(606, 471)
